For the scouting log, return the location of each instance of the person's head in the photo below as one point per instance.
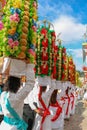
(54, 96)
(43, 88)
(13, 84)
(67, 90)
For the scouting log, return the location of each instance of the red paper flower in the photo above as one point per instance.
(45, 43)
(44, 68)
(44, 31)
(53, 34)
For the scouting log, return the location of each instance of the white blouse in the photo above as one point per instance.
(16, 100)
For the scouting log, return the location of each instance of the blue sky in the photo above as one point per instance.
(70, 18)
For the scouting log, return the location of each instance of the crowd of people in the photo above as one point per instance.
(36, 105)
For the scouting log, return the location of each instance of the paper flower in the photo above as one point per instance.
(3, 3)
(44, 31)
(12, 31)
(35, 4)
(12, 43)
(31, 52)
(13, 10)
(34, 28)
(15, 17)
(17, 4)
(1, 25)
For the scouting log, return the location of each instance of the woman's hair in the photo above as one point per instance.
(13, 84)
(44, 88)
(53, 97)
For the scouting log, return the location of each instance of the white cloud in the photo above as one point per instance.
(77, 53)
(77, 57)
(79, 67)
(70, 28)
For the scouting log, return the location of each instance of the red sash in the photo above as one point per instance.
(46, 110)
(63, 99)
(58, 112)
(67, 110)
(72, 101)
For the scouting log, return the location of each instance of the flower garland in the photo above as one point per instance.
(17, 41)
(64, 65)
(32, 36)
(54, 53)
(71, 70)
(59, 62)
(2, 4)
(67, 69)
(43, 52)
(12, 21)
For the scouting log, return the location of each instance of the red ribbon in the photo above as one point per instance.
(72, 101)
(46, 110)
(58, 112)
(63, 99)
(67, 110)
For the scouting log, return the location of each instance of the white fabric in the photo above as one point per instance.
(32, 97)
(56, 124)
(30, 72)
(65, 108)
(17, 67)
(1, 113)
(43, 81)
(17, 102)
(59, 84)
(61, 128)
(6, 63)
(46, 98)
(5, 126)
(85, 96)
(72, 111)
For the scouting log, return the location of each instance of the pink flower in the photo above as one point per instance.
(10, 40)
(35, 4)
(12, 43)
(34, 28)
(16, 43)
(15, 17)
(31, 52)
(3, 3)
(1, 25)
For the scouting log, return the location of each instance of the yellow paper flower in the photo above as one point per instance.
(15, 48)
(11, 51)
(12, 31)
(17, 4)
(8, 47)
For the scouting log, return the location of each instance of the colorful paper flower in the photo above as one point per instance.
(15, 17)
(1, 25)
(12, 43)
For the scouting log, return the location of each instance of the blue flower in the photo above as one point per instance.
(18, 11)
(32, 47)
(34, 23)
(15, 36)
(12, 10)
(10, 36)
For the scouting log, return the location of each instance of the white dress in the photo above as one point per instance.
(38, 118)
(33, 98)
(17, 102)
(72, 101)
(67, 108)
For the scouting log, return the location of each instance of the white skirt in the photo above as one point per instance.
(5, 126)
